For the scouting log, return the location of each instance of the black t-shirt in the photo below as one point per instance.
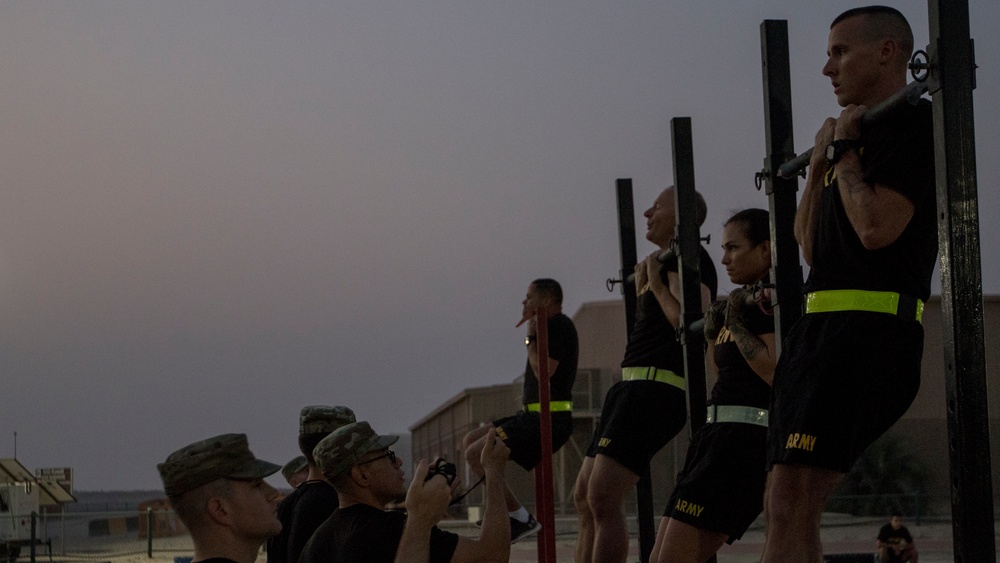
(300, 514)
(898, 153)
(564, 347)
(653, 341)
(738, 383)
(364, 534)
(892, 536)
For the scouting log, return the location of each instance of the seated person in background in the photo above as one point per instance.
(894, 543)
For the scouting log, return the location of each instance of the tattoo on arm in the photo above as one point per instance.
(861, 193)
(747, 342)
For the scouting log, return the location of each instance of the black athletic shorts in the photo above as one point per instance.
(522, 433)
(638, 419)
(842, 380)
(721, 488)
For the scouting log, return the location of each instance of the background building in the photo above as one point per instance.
(601, 328)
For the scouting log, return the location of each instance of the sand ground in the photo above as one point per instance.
(841, 534)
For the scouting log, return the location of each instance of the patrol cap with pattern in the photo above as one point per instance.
(294, 466)
(343, 448)
(319, 419)
(226, 456)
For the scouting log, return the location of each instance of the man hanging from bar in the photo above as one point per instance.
(720, 491)
(866, 223)
(647, 408)
(521, 432)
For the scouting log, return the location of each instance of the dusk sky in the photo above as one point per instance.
(215, 213)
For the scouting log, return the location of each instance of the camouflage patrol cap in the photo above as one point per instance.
(318, 419)
(294, 466)
(226, 456)
(343, 448)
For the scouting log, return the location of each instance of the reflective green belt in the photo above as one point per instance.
(554, 406)
(904, 306)
(736, 413)
(653, 374)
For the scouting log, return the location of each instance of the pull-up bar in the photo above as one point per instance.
(909, 94)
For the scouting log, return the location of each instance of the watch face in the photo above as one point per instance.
(831, 152)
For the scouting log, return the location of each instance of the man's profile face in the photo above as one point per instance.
(385, 473)
(897, 522)
(254, 504)
(532, 300)
(852, 62)
(661, 220)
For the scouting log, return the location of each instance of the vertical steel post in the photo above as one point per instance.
(626, 239)
(149, 532)
(688, 240)
(786, 272)
(952, 68)
(543, 472)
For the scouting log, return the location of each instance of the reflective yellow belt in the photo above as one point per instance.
(554, 406)
(653, 374)
(890, 302)
(736, 413)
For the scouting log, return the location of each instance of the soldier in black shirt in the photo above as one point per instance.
(646, 409)
(314, 500)
(720, 491)
(850, 367)
(522, 431)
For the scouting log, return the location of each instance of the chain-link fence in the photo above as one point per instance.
(98, 536)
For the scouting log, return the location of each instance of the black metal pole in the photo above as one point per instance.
(626, 237)
(786, 271)
(689, 261)
(953, 76)
(688, 245)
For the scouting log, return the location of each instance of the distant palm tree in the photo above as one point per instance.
(886, 480)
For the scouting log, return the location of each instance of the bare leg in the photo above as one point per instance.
(610, 482)
(793, 504)
(585, 538)
(684, 543)
(661, 534)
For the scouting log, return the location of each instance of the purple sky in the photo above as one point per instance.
(213, 214)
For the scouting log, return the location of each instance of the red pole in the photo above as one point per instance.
(543, 473)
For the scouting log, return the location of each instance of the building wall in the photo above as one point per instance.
(601, 328)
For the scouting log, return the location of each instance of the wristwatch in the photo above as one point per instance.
(836, 149)
(529, 339)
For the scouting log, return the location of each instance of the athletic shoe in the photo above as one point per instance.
(520, 530)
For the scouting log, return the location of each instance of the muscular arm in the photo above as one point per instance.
(758, 350)
(877, 214)
(669, 295)
(807, 214)
(533, 359)
(426, 502)
(493, 544)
